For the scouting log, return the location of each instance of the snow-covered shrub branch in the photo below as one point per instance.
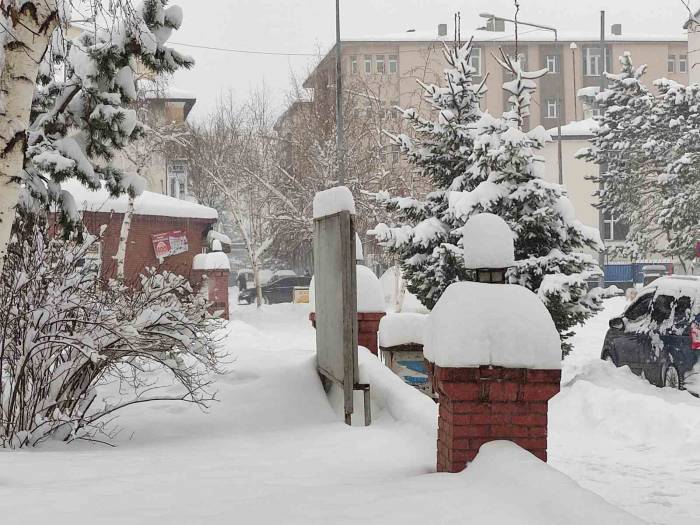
(75, 349)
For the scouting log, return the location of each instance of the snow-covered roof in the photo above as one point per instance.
(534, 35)
(148, 203)
(401, 329)
(577, 128)
(478, 324)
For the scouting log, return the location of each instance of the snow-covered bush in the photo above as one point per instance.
(65, 335)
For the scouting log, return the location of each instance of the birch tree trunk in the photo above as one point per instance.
(120, 257)
(29, 31)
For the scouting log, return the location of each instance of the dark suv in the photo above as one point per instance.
(658, 335)
(280, 290)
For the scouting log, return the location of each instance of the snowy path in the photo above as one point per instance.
(273, 451)
(633, 443)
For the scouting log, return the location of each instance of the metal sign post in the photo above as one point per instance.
(335, 285)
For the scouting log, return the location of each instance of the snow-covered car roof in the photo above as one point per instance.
(676, 286)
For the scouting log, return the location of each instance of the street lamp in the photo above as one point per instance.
(493, 17)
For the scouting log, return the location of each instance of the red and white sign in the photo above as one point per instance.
(169, 243)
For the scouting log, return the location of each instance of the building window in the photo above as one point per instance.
(393, 64)
(475, 61)
(614, 228)
(379, 62)
(552, 106)
(353, 65)
(177, 178)
(683, 64)
(552, 63)
(368, 64)
(593, 63)
(671, 63)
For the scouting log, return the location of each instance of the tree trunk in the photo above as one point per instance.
(32, 28)
(258, 288)
(123, 238)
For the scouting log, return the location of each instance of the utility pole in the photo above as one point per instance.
(339, 142)
(601, 167)
(560, 109)
(573, 48)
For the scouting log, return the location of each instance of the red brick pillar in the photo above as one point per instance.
(367, 329)
(217, 288)
(487, 403)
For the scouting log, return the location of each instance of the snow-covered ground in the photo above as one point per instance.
(635, 444)
(274, 451)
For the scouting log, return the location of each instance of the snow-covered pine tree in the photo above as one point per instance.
(79, 115)
(625, 145)
(549, 241)
(423, 238)
(676, 190)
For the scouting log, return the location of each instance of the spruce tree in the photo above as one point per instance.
(80, 116)
(677, 187)
(624, 144)
(549, 241)
(423, 237)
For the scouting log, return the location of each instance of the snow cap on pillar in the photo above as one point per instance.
(332, 201)
(359, 253)
(488, 242)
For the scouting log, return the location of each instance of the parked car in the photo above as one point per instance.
(282, 290)
(658, 335)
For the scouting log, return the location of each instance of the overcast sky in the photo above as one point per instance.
(307, 26)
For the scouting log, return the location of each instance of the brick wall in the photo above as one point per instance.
(217, 288)
(483, 404)
(139, 253)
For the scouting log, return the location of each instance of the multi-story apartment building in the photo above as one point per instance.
(389, 66)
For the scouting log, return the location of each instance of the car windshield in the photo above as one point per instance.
(639, 308)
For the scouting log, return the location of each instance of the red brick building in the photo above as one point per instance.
(154, 215)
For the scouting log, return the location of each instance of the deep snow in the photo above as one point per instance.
(274, 451)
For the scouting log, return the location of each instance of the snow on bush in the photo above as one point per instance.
(475, 324)
(333, 200)
(66, 333)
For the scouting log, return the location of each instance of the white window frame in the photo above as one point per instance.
(553, 106)
(353, 65)
(552, 63)
(682, 63)
(380, 64)
(368, 64)
(393, 64)
(610, 220)
(475, 61)
(591, 60)
(671, 64)
(177, 178)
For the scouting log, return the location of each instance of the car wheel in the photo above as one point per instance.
(672, 378)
